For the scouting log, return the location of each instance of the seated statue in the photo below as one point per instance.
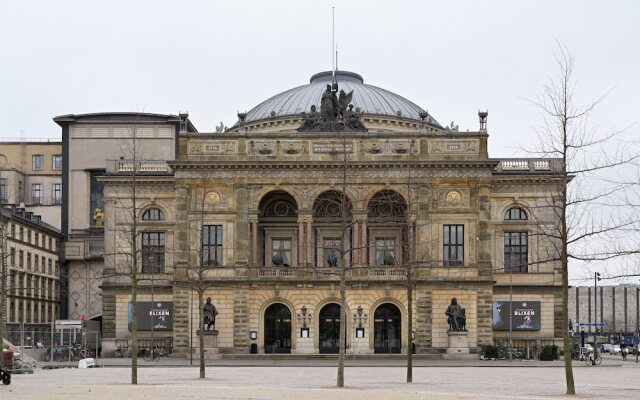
(456, 316)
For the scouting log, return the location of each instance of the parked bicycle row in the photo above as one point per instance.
(67, 353)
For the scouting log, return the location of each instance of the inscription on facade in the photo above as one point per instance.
(333, 147)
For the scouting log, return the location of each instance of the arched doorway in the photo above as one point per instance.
(329, 329)
(277, 329)
(387, 331)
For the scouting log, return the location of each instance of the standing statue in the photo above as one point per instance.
(209, 313)
(329, 105)
(98, 217)
(456, 316)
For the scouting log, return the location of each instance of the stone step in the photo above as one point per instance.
(329, 357)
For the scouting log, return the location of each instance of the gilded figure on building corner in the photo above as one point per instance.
(98, 217)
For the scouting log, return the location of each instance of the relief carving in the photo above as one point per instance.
(292, 147)
(262, 147)
(462, 146)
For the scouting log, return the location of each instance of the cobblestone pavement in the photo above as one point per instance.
(607, 381)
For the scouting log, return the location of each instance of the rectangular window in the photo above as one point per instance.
(57, 193)
(95, 200)
(516, 254)
(281, 252)
(331, 250)
(50, 247)
(13, 231)
(36, 193)
(28, 261)
(56, 162)
(4, 189)
(453, 250)
(36, 263)
(152, 252)
(37, 239)
(36, 162)
(49, 266)
(385, 251)
(21, 237)
(42, 265)
(212, 245)
(21, 258)
(12, 257)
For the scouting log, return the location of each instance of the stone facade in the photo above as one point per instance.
(262, 218)
(617, 307)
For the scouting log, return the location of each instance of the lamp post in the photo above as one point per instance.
(596, 278)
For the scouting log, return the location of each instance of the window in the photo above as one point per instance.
(36, 193)
(21, 234)
(516, 214)
(28, 260)
(281, 252)
(3, 189)
(13, 231)
(516, 252)
(36, 162)
(331, 249)
(49, 266)
(21, 258)
(385, 251)
(12, 257)
(152, 252)
(153, 214)
(453, 253)
(57, 193)
(42, 265)
(56, 162)
(37, 239)
(29, 236)
(96, 199)
(50, 247)
(36, 264)
(212, 245)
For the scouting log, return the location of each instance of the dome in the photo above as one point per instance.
(371, 100)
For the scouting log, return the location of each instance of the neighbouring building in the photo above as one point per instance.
(90, 144)
(304, 183)
(31, 177)
(33, 273)
(618, 307)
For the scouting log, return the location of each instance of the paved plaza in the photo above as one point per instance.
(613, 379)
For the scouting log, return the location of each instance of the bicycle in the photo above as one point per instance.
(154, 354)
(593, 358)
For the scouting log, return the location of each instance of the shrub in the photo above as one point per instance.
(490, 351)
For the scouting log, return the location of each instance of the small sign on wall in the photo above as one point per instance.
(304, 332)
(360, 333)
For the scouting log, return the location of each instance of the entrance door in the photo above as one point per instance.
(329, 328)
(387, 329)
(277, 329)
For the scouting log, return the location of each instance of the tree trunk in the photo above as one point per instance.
(409, 330)
(201, 336)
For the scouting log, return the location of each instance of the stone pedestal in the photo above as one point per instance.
(458, 348)
(211, 351)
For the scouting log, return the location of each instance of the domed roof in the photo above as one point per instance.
(372, 100)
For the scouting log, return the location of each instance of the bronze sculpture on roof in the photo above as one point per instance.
(336, 113)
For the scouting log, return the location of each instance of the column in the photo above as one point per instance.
(309, 241)
(254, 240)
(364, 251)
(356, 244)
(301, 238)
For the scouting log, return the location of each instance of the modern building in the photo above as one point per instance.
(33, 274)
(90, 144)
(303, 184)
(618, 307)
(31, 177)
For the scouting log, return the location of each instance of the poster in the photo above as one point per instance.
(525, 315)
(157, 314)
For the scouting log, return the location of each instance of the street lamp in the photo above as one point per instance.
(596, 278)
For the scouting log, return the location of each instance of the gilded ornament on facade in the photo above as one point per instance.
(212, 198)
(453, 198)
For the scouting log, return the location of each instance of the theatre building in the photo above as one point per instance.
(333, 174)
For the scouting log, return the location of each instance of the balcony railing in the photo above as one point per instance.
(529, 164)
(143, 166)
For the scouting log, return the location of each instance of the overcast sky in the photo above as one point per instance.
(215, 58)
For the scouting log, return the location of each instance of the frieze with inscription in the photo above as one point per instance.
(460, 146)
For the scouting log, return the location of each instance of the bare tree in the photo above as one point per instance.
(196, 274)
(4, 271)
(589, 162)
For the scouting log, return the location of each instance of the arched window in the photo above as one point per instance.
(153, 214)
(516, 214)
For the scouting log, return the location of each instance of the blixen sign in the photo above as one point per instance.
(525, 315)
(157, 315)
